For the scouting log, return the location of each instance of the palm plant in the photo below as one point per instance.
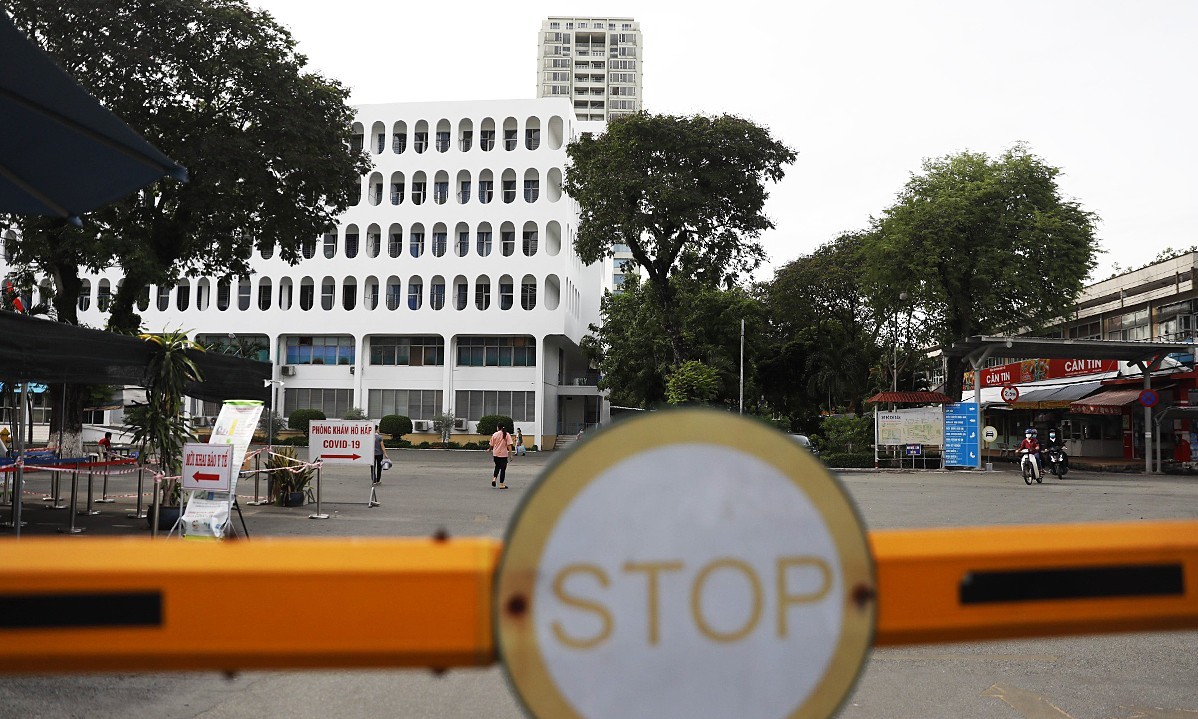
(159, 425)
(287, 474)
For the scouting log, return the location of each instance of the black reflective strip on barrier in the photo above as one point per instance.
(1152, 580)
(90, 610)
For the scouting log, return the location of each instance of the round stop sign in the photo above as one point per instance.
(685, 563)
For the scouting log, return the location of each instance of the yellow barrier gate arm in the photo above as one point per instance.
(133, 605)
(993, 582)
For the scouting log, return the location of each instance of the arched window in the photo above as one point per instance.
(183, 296)
(436, 293)
(482, 292)
(307, 294)
(394, 293)
(328, 287)
(415, 293)
(264, 293)
(528, 292)
(416, 240)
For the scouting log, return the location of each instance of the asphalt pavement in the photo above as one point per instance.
(1099, 677)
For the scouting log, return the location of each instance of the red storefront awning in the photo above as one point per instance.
(910, 398)
(1111, 401)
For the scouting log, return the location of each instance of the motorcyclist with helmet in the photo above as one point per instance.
(1055, 441)
(1032, 444)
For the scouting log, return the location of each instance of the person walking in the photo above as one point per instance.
(519, 443)
(501, 450)
(376, 470)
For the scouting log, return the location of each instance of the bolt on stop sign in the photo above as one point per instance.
(688, 563)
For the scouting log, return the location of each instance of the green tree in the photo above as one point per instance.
(984, 246)
(159, 424)
(692, 382)
(443, 425)
(220, 88)
(634, 355)
(824, 333)
(685, 194)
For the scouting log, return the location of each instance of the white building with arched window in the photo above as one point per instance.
(452, 284)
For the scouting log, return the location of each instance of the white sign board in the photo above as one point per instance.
(234, 430)
(207, 467)
(341, 441)
(924, 425)
(235, 426)
(687, 563)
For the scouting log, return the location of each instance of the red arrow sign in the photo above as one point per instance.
(340, 456)
(206, 477)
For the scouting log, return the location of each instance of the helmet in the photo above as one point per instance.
(1030, 432)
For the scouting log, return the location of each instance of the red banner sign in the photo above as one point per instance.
(1036, 370)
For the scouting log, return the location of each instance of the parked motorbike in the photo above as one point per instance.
(1030, 468)
(1058, 461)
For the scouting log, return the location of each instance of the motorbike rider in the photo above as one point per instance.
(1032, 444)
(1056, 442)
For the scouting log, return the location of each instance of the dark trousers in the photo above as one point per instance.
(376, 471)
(500, 468)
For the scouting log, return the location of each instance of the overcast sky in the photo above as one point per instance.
(863, 90)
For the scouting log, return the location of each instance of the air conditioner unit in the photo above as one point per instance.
(421, 425)
(288, 370)
(199, 420)
(459, 424)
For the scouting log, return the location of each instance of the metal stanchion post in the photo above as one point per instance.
(71, 528)
(104, 498)
(156, 508)
(257, 478)
(139, 513)
(318, 515)
(55, 492)
(91, 509)
(373, 501)
(53, 489)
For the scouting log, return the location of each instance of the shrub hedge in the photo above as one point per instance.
(395, 425)
(848, 460)
(489, 424)
(298, 420)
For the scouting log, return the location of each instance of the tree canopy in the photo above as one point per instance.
(633, 353)
(220, 88)
(983, 246)
(685, 194)
(824, 332)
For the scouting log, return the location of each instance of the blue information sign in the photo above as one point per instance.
(961, 435)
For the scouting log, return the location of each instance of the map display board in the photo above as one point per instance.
(924, 425)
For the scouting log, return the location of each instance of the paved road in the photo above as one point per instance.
(1103, 677)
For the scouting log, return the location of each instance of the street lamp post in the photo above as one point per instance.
(894, 376)
(274, 384)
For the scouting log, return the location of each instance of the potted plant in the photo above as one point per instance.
(289, 477)
(159, 427)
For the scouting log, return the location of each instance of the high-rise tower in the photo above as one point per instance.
(595, 62)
